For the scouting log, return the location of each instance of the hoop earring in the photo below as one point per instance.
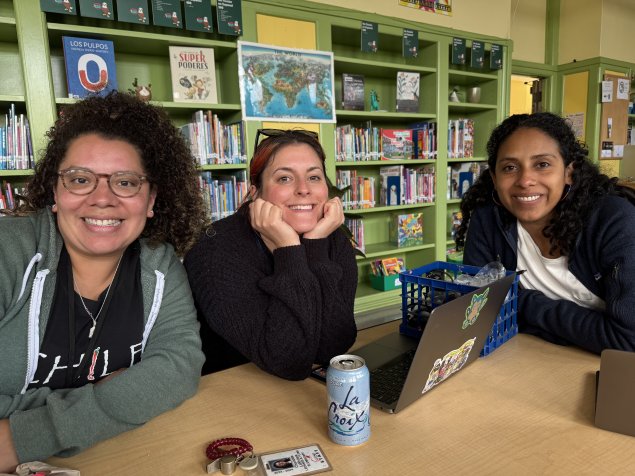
(495, 198)
(567, 189)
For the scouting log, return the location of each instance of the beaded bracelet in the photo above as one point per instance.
(214, 450)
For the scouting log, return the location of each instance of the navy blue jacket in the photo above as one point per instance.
(603, 259)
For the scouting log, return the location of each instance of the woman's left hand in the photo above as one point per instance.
(331, 221)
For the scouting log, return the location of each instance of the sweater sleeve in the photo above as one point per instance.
(609, 240)
(278, 318)
(479, 248)
(167, 374)
(337, 274)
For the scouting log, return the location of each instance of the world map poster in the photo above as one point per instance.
(285, 84)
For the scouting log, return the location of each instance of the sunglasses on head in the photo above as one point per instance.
(283, 132)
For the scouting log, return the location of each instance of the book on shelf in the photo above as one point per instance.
(223, 194)
(391, 191)
(8, 195)
(477, 56)
(410, 43)
(461, 176)
(356, 227)
(167, 13)
(357, 143)
(66, 7)
(370, 37)
(496, 57)
(352, 92)
(361, 190)
(133, 11)
(406, 229)
(230, 17)
(458, 50)
(16, 148)
(198, 15)
(424, 139)
(396, 144)
(90, 66)
(213, 142)
(460, 138)
(103, 10)
(407, 92)
(193, 74)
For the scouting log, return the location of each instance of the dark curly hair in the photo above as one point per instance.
(570, 214)
(179, 212)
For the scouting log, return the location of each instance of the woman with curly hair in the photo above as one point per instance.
(97, 317)
(545, 208)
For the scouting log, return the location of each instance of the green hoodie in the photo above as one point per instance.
(63, 422)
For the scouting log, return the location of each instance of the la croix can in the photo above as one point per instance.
(348, 388)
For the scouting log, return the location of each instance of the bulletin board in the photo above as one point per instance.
(614, 117)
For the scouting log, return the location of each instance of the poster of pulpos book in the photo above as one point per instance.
(285, 84)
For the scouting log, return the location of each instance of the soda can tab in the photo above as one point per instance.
(348, 388)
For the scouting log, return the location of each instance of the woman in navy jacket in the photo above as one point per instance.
(544, 207)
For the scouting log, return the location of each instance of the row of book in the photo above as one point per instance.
(367, 143)
(460, 138)
(16, 148)
(462, 176)
(361, 190)
(406, 185)
(213, 142)
(165, 13)
(356, 227)
(223, 194)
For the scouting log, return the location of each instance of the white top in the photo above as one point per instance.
(551, 276)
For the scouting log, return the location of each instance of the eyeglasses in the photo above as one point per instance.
(84, 181)
(282, 132)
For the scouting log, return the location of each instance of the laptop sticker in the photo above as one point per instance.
(450, 363)
(474, 309)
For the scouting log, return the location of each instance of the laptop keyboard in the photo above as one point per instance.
(387, 381)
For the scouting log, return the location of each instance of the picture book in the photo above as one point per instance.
(230, 17)
(466, 179)
(66, 7)
(370, 37)
(352, 92)
(396, 144)
(90, 66)
(133, 11)
(406, 229)
(103, 10)
(167, 13)
(410, 46)
(407, 92)
(198, 15)
(391, 190)
(496, 57)
(193, 74)
(458, 51)
(477, 57)
(391, 266)
(461, 176)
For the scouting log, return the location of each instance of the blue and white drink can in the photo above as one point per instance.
(348, 387)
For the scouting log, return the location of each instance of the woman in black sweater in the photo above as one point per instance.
(275, 282)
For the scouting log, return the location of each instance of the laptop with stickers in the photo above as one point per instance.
(402, 369)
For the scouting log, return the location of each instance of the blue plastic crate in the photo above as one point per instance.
(420, 294)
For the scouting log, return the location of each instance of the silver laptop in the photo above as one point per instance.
(402, 368)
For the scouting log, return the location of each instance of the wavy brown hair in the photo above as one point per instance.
(179, 212)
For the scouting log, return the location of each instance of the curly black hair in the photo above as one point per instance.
(570, 214)
(179, 211)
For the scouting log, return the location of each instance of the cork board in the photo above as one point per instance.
(614, 120)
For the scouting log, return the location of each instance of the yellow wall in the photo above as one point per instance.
(575, 95)
(618, 25)
(520, 95)
(487, 17)
(528, 24)
(592, 28)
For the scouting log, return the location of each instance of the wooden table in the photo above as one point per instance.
(528, 408)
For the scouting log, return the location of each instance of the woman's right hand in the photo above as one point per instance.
(266, 219)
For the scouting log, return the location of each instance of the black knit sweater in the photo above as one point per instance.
(283, 311)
